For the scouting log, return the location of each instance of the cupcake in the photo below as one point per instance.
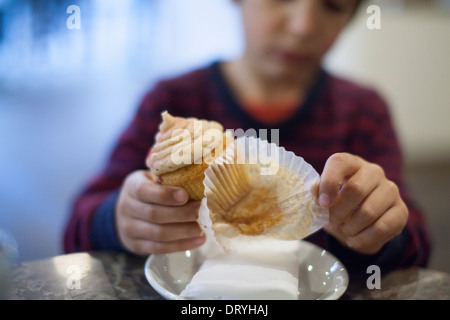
(256, 190)
(183, 150)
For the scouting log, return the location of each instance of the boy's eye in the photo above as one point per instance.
(284, 0)
(336, 6)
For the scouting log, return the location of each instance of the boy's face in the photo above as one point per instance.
(285, 38)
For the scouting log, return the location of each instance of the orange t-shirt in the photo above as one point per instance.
(270, 113)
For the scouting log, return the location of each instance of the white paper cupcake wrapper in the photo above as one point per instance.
(290, 176)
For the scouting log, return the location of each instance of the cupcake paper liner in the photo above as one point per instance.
(256, 190)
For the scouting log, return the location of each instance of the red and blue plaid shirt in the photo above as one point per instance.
(337, 116)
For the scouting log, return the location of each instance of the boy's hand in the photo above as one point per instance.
(366, 209)
(153, 218)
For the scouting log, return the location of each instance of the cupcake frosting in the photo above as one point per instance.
(181, 142)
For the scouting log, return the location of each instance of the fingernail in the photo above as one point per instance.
(350, 242)
(180, 196)
(199, 240)
(324, 200)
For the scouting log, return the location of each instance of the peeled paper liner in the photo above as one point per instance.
(289, 177)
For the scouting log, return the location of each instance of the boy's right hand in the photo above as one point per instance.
(153, 218)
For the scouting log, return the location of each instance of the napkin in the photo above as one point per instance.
(260, 270)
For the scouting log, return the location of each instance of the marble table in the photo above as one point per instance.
(120, 276)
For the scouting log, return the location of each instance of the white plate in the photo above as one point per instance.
(321, 275)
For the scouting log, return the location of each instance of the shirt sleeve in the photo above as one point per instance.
(103, 232)
(92, 215)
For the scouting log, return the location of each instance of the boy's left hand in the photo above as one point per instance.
(366, 209)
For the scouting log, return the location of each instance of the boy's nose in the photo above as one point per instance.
(303, 19)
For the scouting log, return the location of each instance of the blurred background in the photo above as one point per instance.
(66, 93)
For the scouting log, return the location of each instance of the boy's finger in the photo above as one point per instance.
(338, 168)
(153, 213)
(371, 239)
(353, 192)
(145, 190)
(315, 190)
(164, 232)
(377, 203)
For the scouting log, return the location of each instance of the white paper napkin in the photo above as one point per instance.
(262, 270)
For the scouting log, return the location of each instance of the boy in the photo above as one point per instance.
(278, 83)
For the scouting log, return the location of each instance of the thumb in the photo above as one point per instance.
(337, 169)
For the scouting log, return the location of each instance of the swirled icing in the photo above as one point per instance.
(182, 141)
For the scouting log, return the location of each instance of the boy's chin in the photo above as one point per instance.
(289, 72)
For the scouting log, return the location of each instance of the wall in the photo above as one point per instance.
(408, 60)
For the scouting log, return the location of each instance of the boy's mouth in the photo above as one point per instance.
(292, 56)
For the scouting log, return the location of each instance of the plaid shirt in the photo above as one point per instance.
(337, 116)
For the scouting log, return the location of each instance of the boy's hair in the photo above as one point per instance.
(359, 4)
